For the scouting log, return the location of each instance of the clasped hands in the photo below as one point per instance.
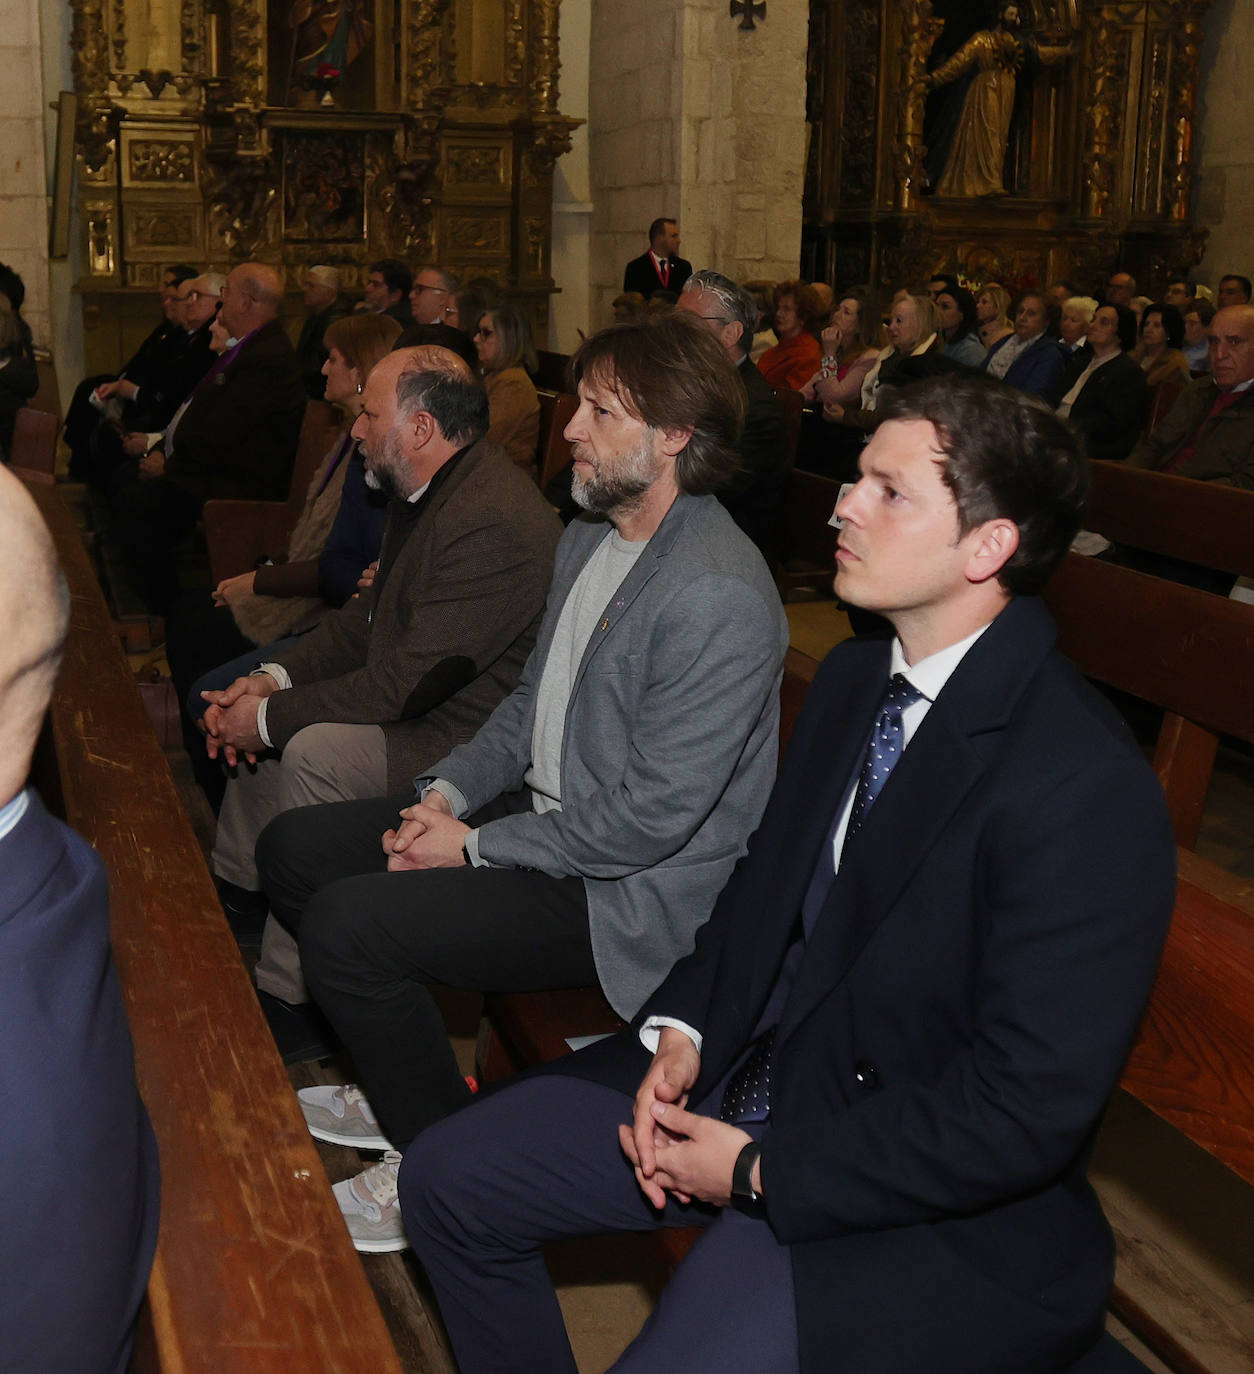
(674, 1150)
(230, 720)
(429, 836)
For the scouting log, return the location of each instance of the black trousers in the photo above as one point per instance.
(372, 941)
(150, 518)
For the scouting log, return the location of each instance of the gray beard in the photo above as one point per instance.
(620, 489)
(381, 477)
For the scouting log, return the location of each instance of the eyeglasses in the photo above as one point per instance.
(443, 290)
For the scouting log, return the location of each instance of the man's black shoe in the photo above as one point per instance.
(245, 911)
(300, 1031)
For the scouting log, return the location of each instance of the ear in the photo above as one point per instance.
(731, 333)
(421, 429)
(674, 441)
(993, 545)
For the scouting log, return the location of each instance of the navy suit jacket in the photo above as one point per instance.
(960, 1015)
(1038, 370)
(78, 1162)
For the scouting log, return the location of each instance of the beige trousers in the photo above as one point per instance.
(321, 763)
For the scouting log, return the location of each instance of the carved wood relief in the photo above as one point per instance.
(1095, 107)
(298, 130)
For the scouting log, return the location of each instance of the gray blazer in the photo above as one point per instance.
(669, 748)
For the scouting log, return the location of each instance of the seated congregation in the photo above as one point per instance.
(871, 1021)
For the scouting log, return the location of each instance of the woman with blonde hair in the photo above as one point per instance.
(915, 349)
(506, 355)
(992, 312)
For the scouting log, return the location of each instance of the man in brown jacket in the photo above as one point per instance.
(1209, 432)
(411, 668)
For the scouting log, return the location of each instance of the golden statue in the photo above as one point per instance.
(977, 153)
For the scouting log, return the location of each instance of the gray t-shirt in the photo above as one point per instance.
(600, 578)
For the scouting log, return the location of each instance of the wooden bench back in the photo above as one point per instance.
(807, 543)
(238, 533)
(1200, 522)
(254, 1270)
(557, 409)
(1184, 650)
(551, 373)
(793, 404)
(34, 448)
(1193, 1061)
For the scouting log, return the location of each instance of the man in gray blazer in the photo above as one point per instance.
(605, 801)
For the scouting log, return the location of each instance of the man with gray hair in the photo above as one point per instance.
(583, 833)
(754, 494)
(410, 669)
(431, 297)
(78, 1162)
(320, 289)
(235, 437)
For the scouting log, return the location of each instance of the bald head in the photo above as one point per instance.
(34, 609)
(1231, 341)
(251, 297)
(420, 407)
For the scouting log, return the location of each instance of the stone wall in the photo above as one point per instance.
(1225, 154)
(691, 116)
(35, 57)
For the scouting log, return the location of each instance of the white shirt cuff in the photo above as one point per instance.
(651, 1032)
(277, 671)
(261, 723)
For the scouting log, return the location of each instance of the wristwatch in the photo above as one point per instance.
(744, 1197)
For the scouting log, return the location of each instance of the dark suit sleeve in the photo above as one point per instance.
(1073, 897)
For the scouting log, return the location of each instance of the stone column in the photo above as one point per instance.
(1225, 157)
(692, 116)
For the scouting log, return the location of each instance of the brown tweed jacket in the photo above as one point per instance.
(442, 636)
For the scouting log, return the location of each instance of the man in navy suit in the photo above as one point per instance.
(77, 1157)
(876, 1080)
(661, 268)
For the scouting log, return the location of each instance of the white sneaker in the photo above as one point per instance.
(341, 1115)
(370, 1208)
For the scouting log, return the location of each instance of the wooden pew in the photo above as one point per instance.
(254, 1270)
(238, 533)
(557, 409)
(807, 541)
(35, 444)
(1199, 522)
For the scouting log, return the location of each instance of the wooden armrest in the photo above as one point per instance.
(238, 533)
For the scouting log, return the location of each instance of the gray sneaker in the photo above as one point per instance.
(340, 1115)
(370, 1209)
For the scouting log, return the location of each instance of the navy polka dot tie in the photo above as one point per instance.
(884, 749)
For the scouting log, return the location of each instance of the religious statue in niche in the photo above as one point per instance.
(969, 135)
(327, 38)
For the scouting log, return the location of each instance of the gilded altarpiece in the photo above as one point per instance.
(1020, 143)
(303, 131)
